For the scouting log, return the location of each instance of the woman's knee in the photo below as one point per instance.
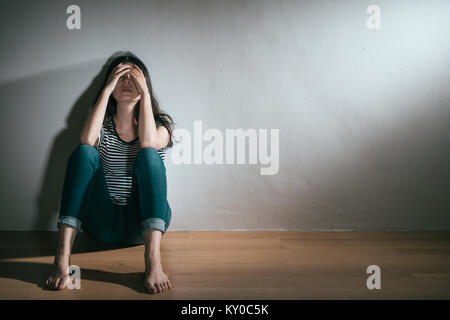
(84, 152)
(149, 157)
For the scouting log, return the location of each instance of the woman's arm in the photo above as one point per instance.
(149, 135)
(91, 131)
(93, 124)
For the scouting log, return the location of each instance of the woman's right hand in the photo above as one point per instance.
(114, 76)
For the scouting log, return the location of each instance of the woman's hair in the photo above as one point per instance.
(160, 116)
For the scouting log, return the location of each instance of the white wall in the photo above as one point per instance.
(363, 114)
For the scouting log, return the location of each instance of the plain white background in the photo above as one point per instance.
(363, 114)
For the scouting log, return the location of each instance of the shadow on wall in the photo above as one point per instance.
(49, 196)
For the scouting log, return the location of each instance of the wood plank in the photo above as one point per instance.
(239, 265)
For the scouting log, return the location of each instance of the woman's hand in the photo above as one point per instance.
(115, 75)
(139, 80)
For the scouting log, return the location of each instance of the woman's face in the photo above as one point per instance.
(125, 90)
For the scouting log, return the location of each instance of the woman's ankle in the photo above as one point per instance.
(62, 257)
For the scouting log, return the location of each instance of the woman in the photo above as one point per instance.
(115, 185)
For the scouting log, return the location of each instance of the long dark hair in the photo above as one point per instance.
(111, 108)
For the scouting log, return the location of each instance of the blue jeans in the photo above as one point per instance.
(86, 203)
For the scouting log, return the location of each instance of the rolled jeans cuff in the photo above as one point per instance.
(153, 223)
(69, 220)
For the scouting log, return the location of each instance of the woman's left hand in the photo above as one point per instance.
(139, 80)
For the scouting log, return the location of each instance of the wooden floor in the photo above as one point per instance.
(239, 265)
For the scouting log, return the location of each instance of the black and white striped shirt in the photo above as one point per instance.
(117, 158)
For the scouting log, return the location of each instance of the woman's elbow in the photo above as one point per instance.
(145, 144)
(84, 140)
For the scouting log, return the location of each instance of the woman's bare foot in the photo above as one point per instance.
(155, 280)
(59, 276)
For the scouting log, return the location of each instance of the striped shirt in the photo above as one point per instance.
(117, 158)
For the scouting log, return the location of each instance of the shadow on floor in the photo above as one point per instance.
(36, 273)
(44, 243)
